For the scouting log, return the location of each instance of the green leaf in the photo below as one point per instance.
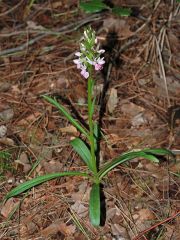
(94, 205)
(67, 115)
(92, 107)
(176, 174)
(93, 6)
(178, 1)
(158, 151)
(122, 12)
(123, 158)
(41, 179)
(83, 151)
(96, 133)
(4, 154)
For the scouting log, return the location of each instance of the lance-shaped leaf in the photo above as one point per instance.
(41, 179)
(67, 115)
(95, 205)
(83, 151)
(123, 158)
(158, 151)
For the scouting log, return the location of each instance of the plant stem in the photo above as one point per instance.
(90, 119)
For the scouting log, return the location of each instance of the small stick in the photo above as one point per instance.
(156, 225)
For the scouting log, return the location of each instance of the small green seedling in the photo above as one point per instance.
(88, 60)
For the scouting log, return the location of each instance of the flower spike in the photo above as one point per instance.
(89, 54)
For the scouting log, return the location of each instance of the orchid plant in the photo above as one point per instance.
(89, 59)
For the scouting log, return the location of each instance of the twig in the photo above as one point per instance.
(162, 71)
(65, 29)
(156, 225)
(12, 9)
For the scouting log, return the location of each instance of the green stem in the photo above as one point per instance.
(91, 125)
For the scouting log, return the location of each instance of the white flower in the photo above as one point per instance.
(100, 60)
(101, 51)
(85, 34)
(82, 47)
(78, 54)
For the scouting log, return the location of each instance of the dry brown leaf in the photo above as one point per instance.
(146, 214)
(69, 129)
(58, 226)
(3, 131)
(7, 114)
(56, 4)
(24, 161)
(113, 100)
(118, 25)
(80, 209)
(29, 119)
(131, 109)
(7, 141)
(52, 166)
(4, 86)
(33, 25)
(9, 206)
(120, 232)
(82, 194)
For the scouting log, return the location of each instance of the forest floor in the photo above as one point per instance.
(142, 109)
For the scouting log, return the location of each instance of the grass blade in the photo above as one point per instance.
(38, 180)
(67, 115)
(94, 205)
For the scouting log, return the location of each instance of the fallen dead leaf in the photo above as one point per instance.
(4, 86)
(24, 161)
(58, 226)
(52, 166)
(9, 206)
(82, 194)
(143, 218)
(33, 25)
(118, 25)
(80, 209)
(120, 232)
(7, 114)
(113, 100)
(7, 141)
(3, 131)
(131, 109)
(69, 129)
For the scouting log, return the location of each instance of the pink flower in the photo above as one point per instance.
(84, 73)
(98, 65)
(89, 54)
